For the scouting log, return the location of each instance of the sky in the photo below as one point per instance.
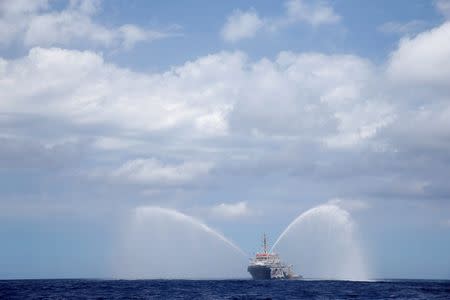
(239, 114)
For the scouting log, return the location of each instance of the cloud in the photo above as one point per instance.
(22, 6)
(231, 210)
(216, 109)
(410, 27)
(423, 59)
(315, 13)
(443, 6)
(338, 119)
(132, 34)
(349, 204)
(37, 24)
(241, 25)
(152, 171)
(318, 110)
(81, 87)
(209, 97)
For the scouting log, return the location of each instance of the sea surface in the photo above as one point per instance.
(222, 289)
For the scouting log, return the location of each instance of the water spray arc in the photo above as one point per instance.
(322, 243)
(164, 243)
(143, 212)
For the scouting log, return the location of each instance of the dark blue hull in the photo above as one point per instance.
(260, 272)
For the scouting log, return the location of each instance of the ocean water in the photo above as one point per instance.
(222, 289)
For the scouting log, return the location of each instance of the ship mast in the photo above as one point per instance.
(265, 244)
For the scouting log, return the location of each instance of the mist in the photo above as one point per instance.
(322, 243)
(164, 243)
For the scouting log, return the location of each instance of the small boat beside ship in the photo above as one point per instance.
(268, 265)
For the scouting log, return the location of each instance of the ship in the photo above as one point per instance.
(267, 265)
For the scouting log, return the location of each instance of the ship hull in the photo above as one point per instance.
(260, 272)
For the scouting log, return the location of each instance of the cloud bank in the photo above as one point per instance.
(337, 118)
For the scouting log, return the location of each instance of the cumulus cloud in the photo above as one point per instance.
(242, 25)
(334, 117)
(216, 108)
(424, 58)
(231, 210)
(80, 86)
(212, 96)
(14, 16)
(315, 13)
(418, 74)
(36, 23)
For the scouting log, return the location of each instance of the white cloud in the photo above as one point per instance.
(86, 6)
(443, 6)
(152, 171)
(132, 34)
(315, 13)
(14, 17)
(231, 210)
(212, 124)
(354, 115)
(212, 96)
(18, 7)
(410, 27)
(418, 74)
(350, 204)
(423, 59)
(223, 120)
(218, 107)
(37, 24)
(361, 122)
(68, 26)
(241, 25)
(81, 87)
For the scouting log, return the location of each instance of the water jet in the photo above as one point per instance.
(164, 243)
(322, 243)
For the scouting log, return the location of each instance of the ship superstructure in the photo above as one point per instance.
(267, 265)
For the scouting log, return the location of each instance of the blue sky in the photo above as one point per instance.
(241, 114)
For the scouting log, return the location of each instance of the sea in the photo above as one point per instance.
(223, 289)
